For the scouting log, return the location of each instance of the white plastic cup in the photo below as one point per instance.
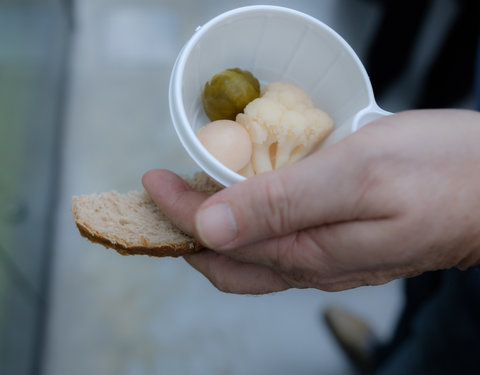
(275, 44)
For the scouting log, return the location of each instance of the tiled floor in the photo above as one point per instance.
(137, 315)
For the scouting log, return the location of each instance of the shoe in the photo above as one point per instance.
(354, 336)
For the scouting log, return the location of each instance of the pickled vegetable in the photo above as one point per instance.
(284, 126)
(227, 93)
(228, 142)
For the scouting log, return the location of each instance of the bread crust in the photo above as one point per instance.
(170, 250)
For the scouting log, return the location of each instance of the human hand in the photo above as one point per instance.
(399, 197)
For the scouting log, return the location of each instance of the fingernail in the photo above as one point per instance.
(216, 225)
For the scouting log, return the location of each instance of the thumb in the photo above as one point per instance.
(320, 189)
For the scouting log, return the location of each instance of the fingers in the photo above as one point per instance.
(323, 188)
(333, 258)
(174, 197)
(231, 276)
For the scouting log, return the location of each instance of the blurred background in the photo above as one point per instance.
(83, 109)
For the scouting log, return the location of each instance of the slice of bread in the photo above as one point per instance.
(132, 224)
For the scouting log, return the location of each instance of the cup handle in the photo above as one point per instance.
(367, 115)
(362, 118)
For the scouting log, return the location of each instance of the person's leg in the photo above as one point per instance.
(418, 290)
(445, 336)
(477, 77)
(394, 41)
(451, 75)
(358, 340)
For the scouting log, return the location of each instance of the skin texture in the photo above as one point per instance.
(397, 198)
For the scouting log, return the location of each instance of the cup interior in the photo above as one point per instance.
(275, 44)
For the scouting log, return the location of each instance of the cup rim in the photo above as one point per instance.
(186, 134)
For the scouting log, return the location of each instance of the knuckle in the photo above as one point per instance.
(218, 277)
(220, 283)
(285, 257)
(298, 260)
(224, 288)
(276, 205)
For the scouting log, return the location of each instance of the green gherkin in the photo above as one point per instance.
(228, 93)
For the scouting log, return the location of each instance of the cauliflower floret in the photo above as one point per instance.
(284, 126)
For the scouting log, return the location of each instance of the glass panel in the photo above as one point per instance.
(33, 43)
